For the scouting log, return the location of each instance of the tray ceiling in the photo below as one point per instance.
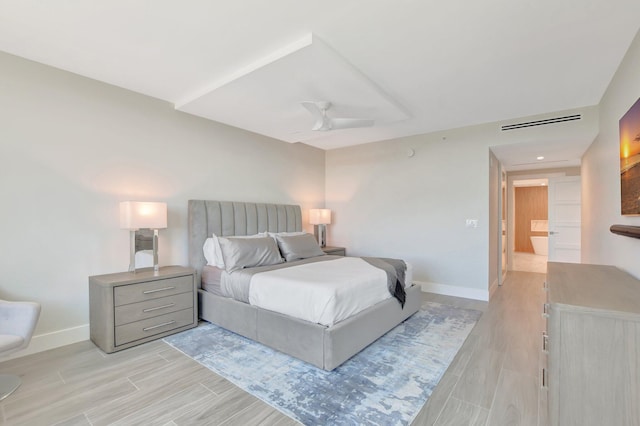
(265, 96)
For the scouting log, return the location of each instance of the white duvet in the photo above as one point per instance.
(319, 292)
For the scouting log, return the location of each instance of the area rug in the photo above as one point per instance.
(385, 384)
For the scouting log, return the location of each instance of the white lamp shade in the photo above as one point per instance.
(143, 215)
(320, 216)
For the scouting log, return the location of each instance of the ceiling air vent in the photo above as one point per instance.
(541, 122)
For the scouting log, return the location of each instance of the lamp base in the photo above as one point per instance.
(322, 235)
(132, 251)
(156, 268)
(142, 243)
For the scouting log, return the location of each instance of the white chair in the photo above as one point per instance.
(17, 322)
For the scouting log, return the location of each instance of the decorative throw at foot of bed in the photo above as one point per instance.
(396, 271)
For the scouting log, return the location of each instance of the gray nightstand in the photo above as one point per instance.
(335, 251)
(127, 309)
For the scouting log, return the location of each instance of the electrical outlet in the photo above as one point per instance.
(472, 223)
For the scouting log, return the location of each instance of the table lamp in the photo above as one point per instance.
(143, 219)
(321, 218)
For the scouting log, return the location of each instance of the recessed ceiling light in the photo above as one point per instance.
(540, 157)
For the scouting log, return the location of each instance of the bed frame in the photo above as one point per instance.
(324, 347)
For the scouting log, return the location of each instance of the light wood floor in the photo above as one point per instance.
(529, 262)
(493, 379)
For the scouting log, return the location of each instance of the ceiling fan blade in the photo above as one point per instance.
(312, 107)
(350, 123)
(318, 110)
(319, 114)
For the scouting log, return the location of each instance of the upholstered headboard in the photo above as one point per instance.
(225, 218)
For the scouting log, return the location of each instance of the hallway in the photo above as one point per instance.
(529, 262)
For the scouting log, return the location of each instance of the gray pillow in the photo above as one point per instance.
(239, 253)
(298, 247)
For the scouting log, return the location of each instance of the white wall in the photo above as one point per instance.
(601, 175)
(72, 148)
(386, 203)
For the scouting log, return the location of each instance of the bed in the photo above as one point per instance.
(323, 346)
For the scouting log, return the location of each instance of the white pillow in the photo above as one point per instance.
(213, 252)
(209, 250)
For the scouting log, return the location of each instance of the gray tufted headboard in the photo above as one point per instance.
(225, 218)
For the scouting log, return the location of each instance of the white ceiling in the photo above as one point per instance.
(557, 154)
(414, 66)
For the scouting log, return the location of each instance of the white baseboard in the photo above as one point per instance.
(44, 342)
(493, 288)
(453, 290)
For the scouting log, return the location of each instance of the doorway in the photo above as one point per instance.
(531, 225)
(563, 218)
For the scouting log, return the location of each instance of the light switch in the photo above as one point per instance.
(472, 223)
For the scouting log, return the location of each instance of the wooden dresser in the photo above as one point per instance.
(593, 345)
(127, 309)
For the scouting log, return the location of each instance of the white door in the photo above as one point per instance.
(564, 219)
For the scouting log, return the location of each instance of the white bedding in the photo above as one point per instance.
(317, 293)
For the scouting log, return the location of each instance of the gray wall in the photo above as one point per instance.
(73, 148)
(601, 175)
(414, 208)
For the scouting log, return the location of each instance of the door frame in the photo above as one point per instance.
(503, 229)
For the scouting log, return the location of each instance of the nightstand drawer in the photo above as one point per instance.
(139, 292)
(124, 304)
(125, 314)
(141, 329)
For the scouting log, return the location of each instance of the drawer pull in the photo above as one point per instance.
(157, 290)
(157, 326)
(545, 286)
(545, 342)
(545, 379)
(158, 307)
(545, 310)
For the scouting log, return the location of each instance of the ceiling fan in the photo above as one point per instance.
(325, 123)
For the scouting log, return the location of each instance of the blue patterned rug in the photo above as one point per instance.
(385, 384)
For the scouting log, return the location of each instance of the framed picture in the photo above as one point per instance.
(630, 160)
